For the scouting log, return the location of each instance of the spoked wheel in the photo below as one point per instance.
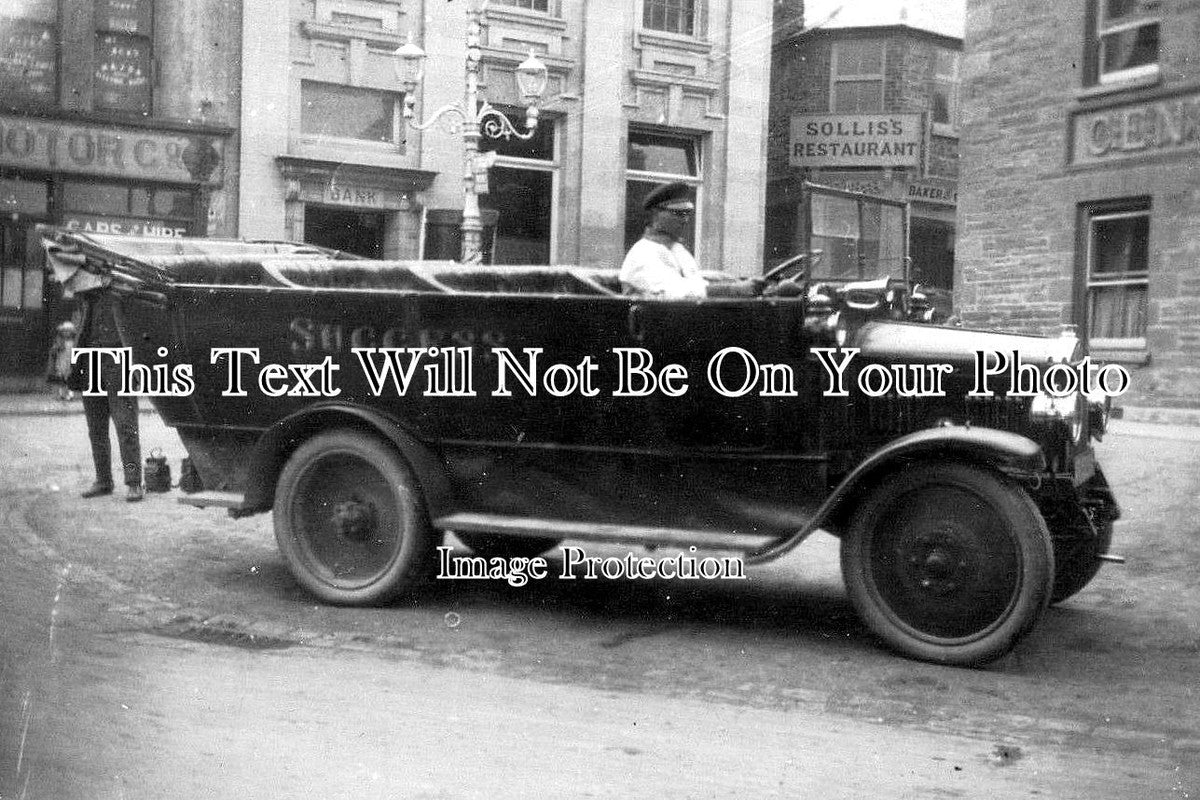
(350, 520)
(949, 563)
(491, 545)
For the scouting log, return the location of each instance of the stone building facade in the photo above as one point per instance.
(1079, 196)
(640, 92)
(831, 78)
(115, 116)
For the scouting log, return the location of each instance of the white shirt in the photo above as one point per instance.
(653, 269)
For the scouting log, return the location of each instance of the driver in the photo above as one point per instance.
(658, 265)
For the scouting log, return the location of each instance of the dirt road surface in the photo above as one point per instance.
(152, 650)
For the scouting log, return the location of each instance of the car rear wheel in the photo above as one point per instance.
(350, 520)
(492, 545)
(949, 563)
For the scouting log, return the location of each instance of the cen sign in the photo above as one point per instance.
(856, 140)
(1166, 126)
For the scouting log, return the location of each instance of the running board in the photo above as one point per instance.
(602, 532)
(231, 500)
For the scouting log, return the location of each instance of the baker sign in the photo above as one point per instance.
(104, 150)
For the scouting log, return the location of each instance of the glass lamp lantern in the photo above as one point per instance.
(531, 78)
(409, 65)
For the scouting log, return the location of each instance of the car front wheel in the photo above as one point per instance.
(949, 562)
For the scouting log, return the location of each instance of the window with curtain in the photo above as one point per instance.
(1122, 40)
(945, 88)
(1118, 275)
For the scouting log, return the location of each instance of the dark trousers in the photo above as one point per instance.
(124, 413)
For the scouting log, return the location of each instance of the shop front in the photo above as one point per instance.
(94, 178)
(931, 215)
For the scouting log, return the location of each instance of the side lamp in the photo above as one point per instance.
(532, 76)
(409, 65)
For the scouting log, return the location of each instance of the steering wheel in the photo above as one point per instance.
(787, 270)
(792, 269)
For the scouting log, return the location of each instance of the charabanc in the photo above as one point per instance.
(962, 515)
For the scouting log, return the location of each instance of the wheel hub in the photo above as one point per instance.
(355, 520)
(936, 562)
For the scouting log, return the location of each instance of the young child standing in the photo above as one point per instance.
(58, 364)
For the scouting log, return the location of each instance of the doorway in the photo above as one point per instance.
(931, 246)
(357, 232)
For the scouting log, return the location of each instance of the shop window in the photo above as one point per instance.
(124, 55)
(1122, 40)
(653, 159)
(20, 275)
(521, 192)
(335, 111)
(672, 16)
(139, 209)
(945, 90)
(1118, 274)
(23, 197)
(29, 53)
(857, 76)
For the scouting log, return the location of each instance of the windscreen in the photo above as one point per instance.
(860, 238)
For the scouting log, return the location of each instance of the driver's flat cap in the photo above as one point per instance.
(674, 196)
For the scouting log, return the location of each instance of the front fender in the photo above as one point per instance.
(997, 449)
(280, 440)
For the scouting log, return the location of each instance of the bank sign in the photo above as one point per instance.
(856, 140)
(82, 148)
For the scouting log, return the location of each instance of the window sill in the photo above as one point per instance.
(367, 150)
(944, 130)
(525, 16)
(672, 41)
(1133, 352)
(346, 33)
(1131, 84)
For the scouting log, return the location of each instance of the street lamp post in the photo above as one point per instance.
(477, 116)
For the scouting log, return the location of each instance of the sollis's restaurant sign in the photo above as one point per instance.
(856, 140)
(55, 146)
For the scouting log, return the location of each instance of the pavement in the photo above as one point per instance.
(30, 404)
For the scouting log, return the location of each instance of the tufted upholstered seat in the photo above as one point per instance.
(318, 271)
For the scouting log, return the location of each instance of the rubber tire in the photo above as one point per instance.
(1076, 561)
(1013, 511)
(410, 558)
(492, 545)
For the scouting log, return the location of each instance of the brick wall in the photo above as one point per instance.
(1021, 189)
